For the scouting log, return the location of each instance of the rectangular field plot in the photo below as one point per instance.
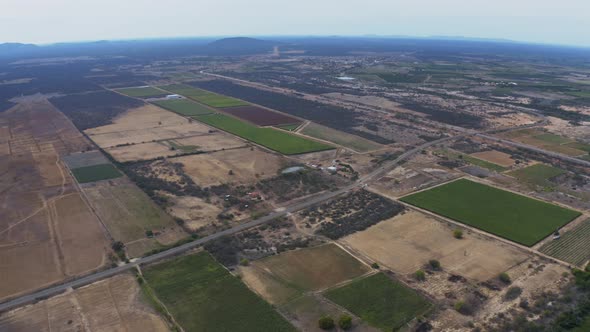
(495, 157)
(206, 97)
(183, 107)
(380, 301)
(96, 173)
(202, 295)
(356, 143)
(282, 277)
(260, 116)
(142, 92)
(276, 140)
(573, 246)
(511, 216)
(538, 174)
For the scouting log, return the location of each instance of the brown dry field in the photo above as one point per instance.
(194, 211)
(144, 151)
(406, 242)
(141, 125)
(495, 157)
(47, 233)
(247, 166)
(128, 213)
(114, 304)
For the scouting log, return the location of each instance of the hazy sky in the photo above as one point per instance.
(44, 21)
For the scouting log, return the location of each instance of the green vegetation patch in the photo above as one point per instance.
(356, 143)
(552, 138)
(202, 295)
(290, 127)
(573, 246)
(483, 163)
(183, 107)
(96, 173)
(511, 216)
(380, 301)
(538, 174)
(203, 96)
(579, 146)
(273, 139)
(142, 92)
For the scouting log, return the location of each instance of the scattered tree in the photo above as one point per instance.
(505, 278)
(434, 264)
(458, 234)
(231, 172)
(326, 323)
(512, 293)
(244, 262)
(375, 266)
(420, 275)
(345, 322)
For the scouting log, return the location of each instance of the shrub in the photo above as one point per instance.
(244, 262)
(458, 234)
(505, 278)
(345, 322)
(326, 323)
(459, 306)
(434, 264)
(375, 266)
(420, 275)
(512, 293)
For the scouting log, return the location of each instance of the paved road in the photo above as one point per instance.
(82, 281)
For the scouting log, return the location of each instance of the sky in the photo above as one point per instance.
(48, 21)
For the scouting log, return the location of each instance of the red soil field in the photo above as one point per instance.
(260, 116)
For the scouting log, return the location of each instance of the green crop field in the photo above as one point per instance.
(579, 146)
(183, 107)
(351, 141)
(538, 174)
(202, 295)
(380, 301)
(142, 92)
(552, 138)
(509, 215)
(96, 173)
(483, 163)
(273, 139)
(205, 97)
(573, 246)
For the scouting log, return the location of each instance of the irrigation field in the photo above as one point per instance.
(514, 217)
(261, 116)
(205, 97)
(573, 246)
(183, 107)
(380, 301)
(538, 174)
(202, 295)
(142, 92)
(273, 139)
(96, 173)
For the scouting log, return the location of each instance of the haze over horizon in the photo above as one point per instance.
(68, 20)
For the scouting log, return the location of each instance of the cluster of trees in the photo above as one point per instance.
(327, 322)
(354, 212)
(288, 186)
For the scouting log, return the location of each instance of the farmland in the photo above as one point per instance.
(96, 173)
(353, 142)
(142, 92)
(271, 138)
(537, 174)
(407, 241)
(573, 246)
(512, 216)
(200, 293)
(245, 165)
(494, 157)
(47, 232)
(548, 141)
(114, 304)
(128, 213)
(261, 116)
(208, 98)
(380, 301)
(183, 107)
(280, 278)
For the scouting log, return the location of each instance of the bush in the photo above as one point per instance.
(434, 264)
(326, 323)
(458, 234)
(420, 275)
(459, 306)
(345, 322)
(375, 266)
(512, 293)
(244, 262)
(505, 278)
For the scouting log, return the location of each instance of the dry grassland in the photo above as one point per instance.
(407, 242)
(246, 165)
(114, 304)
(495, 157)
